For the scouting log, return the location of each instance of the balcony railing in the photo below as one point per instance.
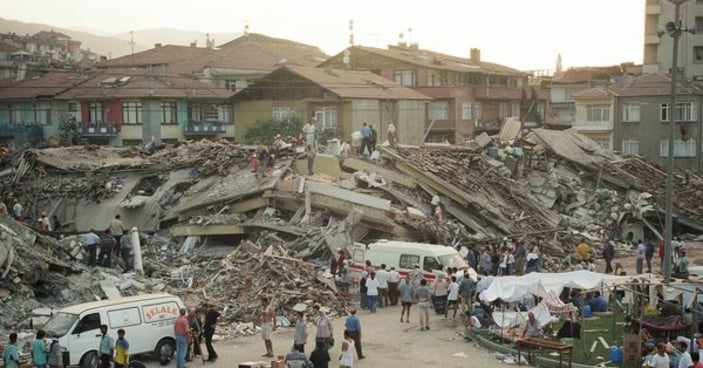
(205, 127)
(97, 128)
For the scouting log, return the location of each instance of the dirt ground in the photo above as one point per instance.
(385, 340)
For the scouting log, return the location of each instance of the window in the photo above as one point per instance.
(430, 264)
(603, 142)
(194, 113)
(124, 317)
(439, 110)
(210, 112)
(169, 114)
(224, 114)
(685, 111)
(597, 113)
(326, 116)
(408, 261)
(283, 113)
(503, 110)
(631, 112)
(89, 322)
(478, 110)
(630, 147)
(14, 113)
(699, 24)
(465, 111)
(231, 85)
(132, 112)
(681, 148)
(405, 77)
(698, 54)
(72, 107)
(41, 113)
(97, 112)
(515, 109)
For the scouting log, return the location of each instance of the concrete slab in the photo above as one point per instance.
(390, 175)
(324, 163)
(510, 130)
(349, 196)
(483, 140)
(416, 214)
(110, 290)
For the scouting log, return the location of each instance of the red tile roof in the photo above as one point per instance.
(254, 52)
(167, 54)
(46, 85)
(6, 47)
(135, 83)
(655, 85)
(439, 61)
(587, 74)
(596, 92)
(348, 84)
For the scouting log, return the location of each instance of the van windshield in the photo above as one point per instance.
(452, 260)
(59, 324)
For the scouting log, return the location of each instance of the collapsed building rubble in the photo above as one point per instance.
(216, 230)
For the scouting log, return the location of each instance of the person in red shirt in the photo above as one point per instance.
(661, 254)
(182, 330)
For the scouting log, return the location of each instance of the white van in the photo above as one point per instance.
(404, 256)
(147, 321)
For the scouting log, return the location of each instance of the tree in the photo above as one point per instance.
(265, 131)
(68, 130)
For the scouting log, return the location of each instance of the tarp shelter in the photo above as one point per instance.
(517, 288)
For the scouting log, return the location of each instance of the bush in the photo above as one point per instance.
(265, 131)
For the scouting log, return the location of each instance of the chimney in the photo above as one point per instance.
(157, 45)
(476, 55)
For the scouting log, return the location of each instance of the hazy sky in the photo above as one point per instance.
(524, 34)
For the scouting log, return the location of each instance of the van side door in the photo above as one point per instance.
(358, 260)
(86, 335)
(129, 319)
(407, 262)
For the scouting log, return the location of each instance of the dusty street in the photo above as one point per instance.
(386, 343)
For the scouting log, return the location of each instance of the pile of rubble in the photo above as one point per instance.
(214, 230)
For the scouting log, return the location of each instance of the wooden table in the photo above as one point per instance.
(532, 342)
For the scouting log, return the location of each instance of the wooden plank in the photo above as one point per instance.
(198, 230)
(248, 204)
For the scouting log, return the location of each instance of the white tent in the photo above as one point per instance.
(517, 288)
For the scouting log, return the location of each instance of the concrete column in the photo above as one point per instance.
(136, 250)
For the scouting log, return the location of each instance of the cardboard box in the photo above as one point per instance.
(278, 363)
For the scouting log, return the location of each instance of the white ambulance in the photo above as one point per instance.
(404, 256)
(147, 321)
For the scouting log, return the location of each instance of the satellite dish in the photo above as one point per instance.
(346, 59)
(347, 52)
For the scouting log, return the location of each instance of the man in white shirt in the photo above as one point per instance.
(382, 276)
(685, 360)
(452, 297)
(391, 133)
(309, 130)
(641, 251)
(393, 281)
(372, 291)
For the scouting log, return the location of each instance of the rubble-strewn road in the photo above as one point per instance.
(386, 343)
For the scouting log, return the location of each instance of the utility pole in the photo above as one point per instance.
(131, 44)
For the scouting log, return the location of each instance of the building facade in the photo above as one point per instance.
(594, 115)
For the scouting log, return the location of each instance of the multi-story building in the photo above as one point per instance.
(469, 95)
(594, 114)
(658, 50)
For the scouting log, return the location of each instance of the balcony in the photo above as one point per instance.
(205, 128)
(97, 129)
(593, 126)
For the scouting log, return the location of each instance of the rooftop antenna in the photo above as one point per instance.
(351, 32)
(410, 34)
(246, 27)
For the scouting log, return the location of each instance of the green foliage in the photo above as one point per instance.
(265, 131)
(68, 130)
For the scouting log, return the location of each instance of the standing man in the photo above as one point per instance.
(211, 317)
(373, 139)
(309, 129)
(106, 349)
(382, 278)
(422, 298)
(182, 330)
(363, 299)
(10, 353)
(39, 350)
(416, 276)
(107, 244)
(391, 133)
(608, 255)
(92, 240)
(641, 251)
(196, 333)
(372, 291)
(393, 281)
(116, 228)
(121, 350)
(325, 329)
(365, 140)
(452, 297)
(406, 299)
(466, 289)
(583, 251)
(301, 333)
(353, 328)
(126, 247)
(267, 321)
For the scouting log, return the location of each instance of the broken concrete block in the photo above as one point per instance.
(483, 140)
(132, 283)
(300, 307)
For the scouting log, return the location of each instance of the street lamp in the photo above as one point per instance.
(674, 29)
